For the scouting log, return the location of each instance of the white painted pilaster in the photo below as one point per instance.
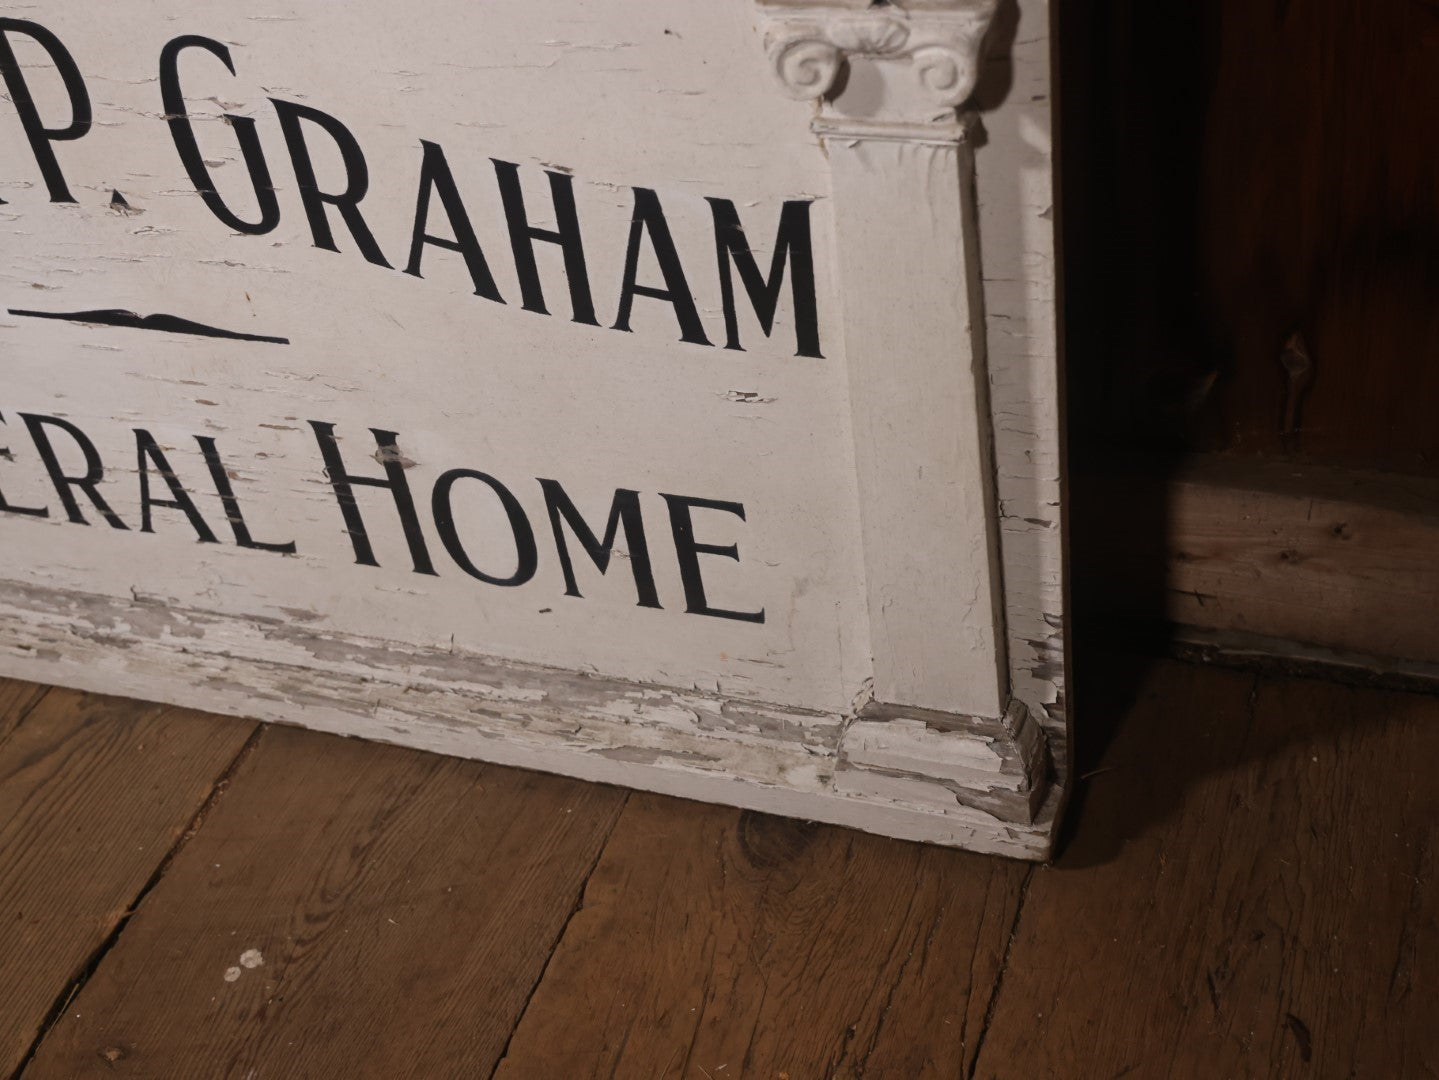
(888, 82)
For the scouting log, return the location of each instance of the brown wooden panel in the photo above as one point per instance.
(1251, 892)
(718, 943)
(1234, 172)
(1340, 559)
(94, 794)
(347, 910)
(1319, 212)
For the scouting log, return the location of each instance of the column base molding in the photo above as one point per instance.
(999, 766)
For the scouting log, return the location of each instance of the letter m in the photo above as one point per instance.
(624, 510)
(792, 245)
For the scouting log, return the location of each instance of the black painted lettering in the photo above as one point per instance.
(7, 508)
(624, 510)
(689, 550)
(66, 486)
(792, 245)
(149, 454)
(435, 175)
(357, 178)
(649, 217)
(183, 133)
(526, 555)
(344, 483)
(40, 136)
(566, 235)
(223, 488)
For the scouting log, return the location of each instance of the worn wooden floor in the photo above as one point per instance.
(1249, 890)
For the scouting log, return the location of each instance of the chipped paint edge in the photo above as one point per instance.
(690, 744)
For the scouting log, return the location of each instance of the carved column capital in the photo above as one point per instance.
(809, 43)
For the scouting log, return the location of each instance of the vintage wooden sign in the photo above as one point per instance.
(661, 393)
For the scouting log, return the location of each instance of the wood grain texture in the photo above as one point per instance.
(400, 907)
(713, 942)
(1319, 213)
(1251, 892)
(94, 794)
(1341, 559)
(16, 700)
(1239, 171)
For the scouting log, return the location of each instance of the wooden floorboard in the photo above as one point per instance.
(94, 794)
(348, 910)
(16, 701)
(1251, 892)
(713, 942)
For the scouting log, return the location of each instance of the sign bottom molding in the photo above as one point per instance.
(973, 783)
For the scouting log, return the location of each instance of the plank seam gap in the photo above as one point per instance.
(993, 1006)
(25, 715)
(560, 937)
(96, 958)
(862, 1066)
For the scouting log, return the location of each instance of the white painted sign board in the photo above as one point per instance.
(661, 393)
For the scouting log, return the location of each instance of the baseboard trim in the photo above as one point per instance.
(1322, 565)
(1253, 652)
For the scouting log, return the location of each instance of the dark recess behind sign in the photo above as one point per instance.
(1233, 172)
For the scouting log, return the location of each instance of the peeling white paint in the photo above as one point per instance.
(901, 552)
